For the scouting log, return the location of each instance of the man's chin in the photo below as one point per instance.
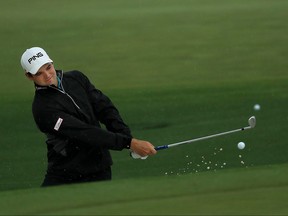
(51, 82)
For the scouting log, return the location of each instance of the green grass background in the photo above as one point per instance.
(176, 70)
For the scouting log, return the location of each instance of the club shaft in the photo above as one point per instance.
(200, 138)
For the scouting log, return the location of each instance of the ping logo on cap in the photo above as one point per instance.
(33, 58)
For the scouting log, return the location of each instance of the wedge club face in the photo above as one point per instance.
(252, 121)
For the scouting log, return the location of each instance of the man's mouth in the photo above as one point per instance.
(49, 79)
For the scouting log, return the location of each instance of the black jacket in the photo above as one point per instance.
(70, 116)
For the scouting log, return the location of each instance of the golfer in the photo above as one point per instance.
(68, 109)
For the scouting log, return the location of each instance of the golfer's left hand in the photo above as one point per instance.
(142, 148)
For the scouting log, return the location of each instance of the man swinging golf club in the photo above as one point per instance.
(68, 109)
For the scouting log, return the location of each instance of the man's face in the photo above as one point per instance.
(45, 76)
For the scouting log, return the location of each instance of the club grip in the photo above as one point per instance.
(161, 147)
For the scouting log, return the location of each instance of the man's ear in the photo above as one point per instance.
(29, 75)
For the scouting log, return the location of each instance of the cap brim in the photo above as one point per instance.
(35, 69)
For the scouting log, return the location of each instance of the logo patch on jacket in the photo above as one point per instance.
(58, 124)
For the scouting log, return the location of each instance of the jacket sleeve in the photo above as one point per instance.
(59, 123)
(105, 110)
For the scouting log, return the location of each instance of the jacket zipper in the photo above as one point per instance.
(64, 92)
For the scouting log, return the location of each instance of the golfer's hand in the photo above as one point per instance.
(142, 148)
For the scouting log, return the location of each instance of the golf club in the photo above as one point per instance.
(251, 122)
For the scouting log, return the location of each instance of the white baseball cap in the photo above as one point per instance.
(33, 59)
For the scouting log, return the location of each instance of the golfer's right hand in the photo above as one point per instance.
(142, 148)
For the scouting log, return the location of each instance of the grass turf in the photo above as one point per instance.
(254, 191)
(177, 70)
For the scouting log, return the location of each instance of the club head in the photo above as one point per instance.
(252, 121)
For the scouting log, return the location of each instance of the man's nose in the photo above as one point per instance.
(46, 74)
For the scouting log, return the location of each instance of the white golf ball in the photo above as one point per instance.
(257, 107)
(241, 145)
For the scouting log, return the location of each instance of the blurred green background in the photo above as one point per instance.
(176, 70)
